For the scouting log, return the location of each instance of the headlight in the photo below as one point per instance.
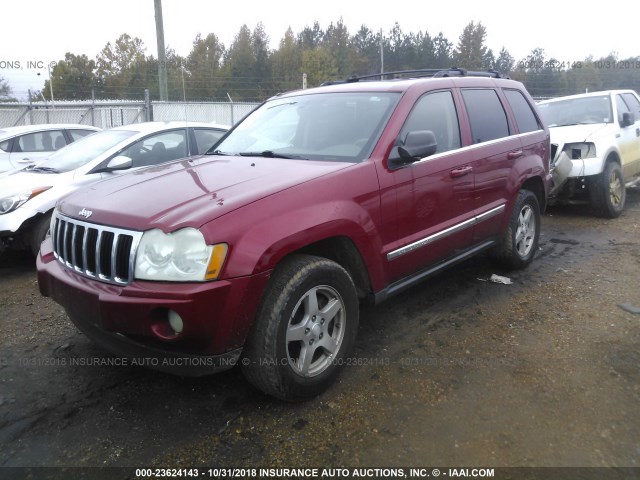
(577, 151)
(14, 200)
(181, 256)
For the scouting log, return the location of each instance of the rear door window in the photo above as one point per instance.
(525, 118)
(41, 141)
(487, 117)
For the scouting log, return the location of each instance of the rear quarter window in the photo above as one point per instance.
(487, 117)
(525, 118)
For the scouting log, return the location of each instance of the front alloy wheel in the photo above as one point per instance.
(304, 328)
(315, 331)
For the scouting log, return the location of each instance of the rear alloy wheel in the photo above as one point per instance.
(520, 240)
(607, 191)
(305, 327)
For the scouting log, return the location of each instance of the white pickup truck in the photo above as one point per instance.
(595, 148)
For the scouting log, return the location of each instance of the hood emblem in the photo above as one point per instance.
(85, 213)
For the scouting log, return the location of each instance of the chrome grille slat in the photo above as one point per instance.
(74, 231)
(74, 242)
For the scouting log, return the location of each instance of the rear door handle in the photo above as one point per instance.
(461, 172)
(514, 155)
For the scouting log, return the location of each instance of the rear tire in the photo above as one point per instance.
(520, 240)
(305, 327)
(607, 191)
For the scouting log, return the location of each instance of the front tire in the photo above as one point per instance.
(520, 240)
(607, 191)
(305, 327)
(39, 233)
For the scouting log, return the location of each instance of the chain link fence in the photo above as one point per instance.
(111, 114)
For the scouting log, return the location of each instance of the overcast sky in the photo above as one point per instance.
(38, 31)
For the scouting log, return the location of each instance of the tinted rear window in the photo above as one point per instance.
(525, 118)
(486, 115)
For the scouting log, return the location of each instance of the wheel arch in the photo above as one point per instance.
(536, 185)
(345, 253)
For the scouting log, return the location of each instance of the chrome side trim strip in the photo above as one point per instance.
(446, 232)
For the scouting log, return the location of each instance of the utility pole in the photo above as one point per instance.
(381, 55)
(162, 58)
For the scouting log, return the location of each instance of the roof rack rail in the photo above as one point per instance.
(422, 72)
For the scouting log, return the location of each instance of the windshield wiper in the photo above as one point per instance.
(269, 154)
(44, 169)
(217, 152)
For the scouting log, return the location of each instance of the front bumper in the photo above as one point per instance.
(12, 222)
(124, 320)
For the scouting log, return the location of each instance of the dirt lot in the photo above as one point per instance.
(457, 371)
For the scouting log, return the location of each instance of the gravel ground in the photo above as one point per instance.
(457, 371)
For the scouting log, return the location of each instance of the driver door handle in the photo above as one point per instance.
(461, 172)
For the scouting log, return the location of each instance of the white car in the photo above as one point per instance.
(28, 196)
(24, 145)
(595, 147)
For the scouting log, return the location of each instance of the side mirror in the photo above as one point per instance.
(628, 119)
(417, 144)
(117, 163)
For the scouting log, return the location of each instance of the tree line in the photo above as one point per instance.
(248, 70)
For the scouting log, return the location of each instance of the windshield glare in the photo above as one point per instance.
(84, 150)
(577, 111)
(327, 126)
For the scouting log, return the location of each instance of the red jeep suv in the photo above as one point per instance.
(259, 252)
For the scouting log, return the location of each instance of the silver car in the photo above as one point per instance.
(28, 196)
(24, 145)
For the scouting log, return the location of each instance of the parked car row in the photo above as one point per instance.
(28, 195)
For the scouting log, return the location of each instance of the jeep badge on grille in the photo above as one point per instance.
(85, 213)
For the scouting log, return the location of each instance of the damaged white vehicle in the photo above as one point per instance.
(595, 148)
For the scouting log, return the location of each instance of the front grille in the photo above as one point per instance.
(102, 253)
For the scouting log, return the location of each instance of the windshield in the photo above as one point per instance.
(324, 126)
(83, 151)
(577, 111)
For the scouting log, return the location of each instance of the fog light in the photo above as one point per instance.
(175, 321)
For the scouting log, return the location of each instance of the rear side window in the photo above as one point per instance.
(486, 115)
(41, 141)
(436, 112)
(525, 118)
(4, 146)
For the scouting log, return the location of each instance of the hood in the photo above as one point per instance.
(576, 133)
(21, 180)
(190, 192)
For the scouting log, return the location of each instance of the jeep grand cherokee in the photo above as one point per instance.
(260, 251)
